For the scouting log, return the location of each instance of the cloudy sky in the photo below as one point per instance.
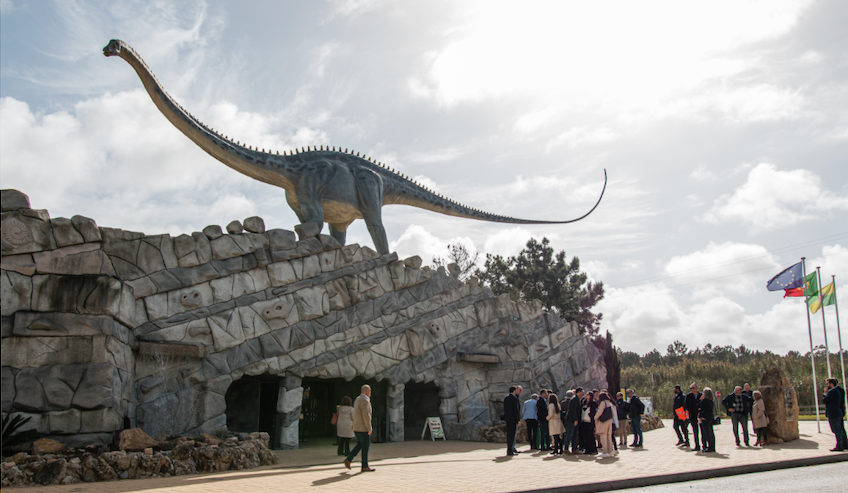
(723, 127)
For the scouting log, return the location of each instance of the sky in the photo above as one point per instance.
(723, 127)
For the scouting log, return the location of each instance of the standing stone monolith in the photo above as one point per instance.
(781, 406)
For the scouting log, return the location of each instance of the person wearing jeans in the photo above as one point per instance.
(361, 428)
(636, 409)
(738, 405)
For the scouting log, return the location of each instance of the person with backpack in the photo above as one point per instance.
(636, 410)
(603, 425)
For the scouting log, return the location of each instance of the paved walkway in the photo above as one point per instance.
(467, 466)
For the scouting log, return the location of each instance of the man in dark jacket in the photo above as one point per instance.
(542, 416)
(680, 425)
(834, 406)
(636, 410)
(575, 411)
(623, 409)
(691, 405)
(738, 406)
(512, 418)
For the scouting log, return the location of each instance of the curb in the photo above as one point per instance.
(692, 476)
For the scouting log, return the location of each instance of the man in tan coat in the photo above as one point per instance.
(361, 428)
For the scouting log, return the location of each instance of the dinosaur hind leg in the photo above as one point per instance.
(378, 233)
(311, 210)
(339, 231)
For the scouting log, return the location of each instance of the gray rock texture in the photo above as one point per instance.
(103, 326)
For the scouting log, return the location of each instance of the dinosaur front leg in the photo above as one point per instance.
(311, 210)
(291, 199)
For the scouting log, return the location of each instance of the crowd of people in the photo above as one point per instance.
(581, 423)
(584, 422)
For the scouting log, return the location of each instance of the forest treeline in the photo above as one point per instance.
(721, 368)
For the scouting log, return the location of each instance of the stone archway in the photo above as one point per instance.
(252, 404)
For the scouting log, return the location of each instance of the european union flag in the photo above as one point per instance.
(791, 277)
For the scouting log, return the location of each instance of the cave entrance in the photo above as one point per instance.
(321, 398)
(420, 401)
(252, 405)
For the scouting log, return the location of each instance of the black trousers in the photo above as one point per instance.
(545, 443)
(707, 436)
(681, 427)
(344, 445)
(510, 437)
(695, 429)
(837, 426)
(532, 431)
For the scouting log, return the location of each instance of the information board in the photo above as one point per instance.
(435, 427)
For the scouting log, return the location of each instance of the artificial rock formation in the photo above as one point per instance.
(105, 329)
(781, 406)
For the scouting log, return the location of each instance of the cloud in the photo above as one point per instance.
(714, 265)
(416, 240)
(6, 7)
(478, 62)
(771, 199)
(117, 159)
(701, 173)
(507, 242)
(580, 136)
(654, 315)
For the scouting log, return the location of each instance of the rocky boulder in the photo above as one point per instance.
(781, 406)
(47, 446)
(136, 439)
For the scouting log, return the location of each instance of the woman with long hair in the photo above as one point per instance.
(603, 425)
(706, 420)
(760, 420)
(586, 427)
(555, 427)
(344, 426)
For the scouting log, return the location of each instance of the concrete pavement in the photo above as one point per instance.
(468, 466)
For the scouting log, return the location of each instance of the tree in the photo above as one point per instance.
(611, 361)
(538, 273)
(628, 358)
(676, 349)
(458, 254)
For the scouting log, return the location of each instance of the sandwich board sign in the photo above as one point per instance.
(435, 427)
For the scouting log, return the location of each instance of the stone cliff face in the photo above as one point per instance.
(104, 329)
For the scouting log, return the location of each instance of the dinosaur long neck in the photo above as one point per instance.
(234, 155)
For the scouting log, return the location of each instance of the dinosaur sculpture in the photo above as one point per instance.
(322, 184)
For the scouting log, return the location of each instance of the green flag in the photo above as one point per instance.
(814, 303)
(829, 294)
(811, 284)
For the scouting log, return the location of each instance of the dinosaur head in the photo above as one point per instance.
(113, 48)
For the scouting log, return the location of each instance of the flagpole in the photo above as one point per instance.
(824, 327)
(812, 352)
(839, 333)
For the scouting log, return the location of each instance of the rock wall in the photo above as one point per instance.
(104, 329)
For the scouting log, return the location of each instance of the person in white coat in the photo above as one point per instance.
(344, 425)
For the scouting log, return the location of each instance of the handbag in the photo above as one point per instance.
(586, 417)
(606, 415)
(682, 414)
(335, 419)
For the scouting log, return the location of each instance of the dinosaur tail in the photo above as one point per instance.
(411, 193)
